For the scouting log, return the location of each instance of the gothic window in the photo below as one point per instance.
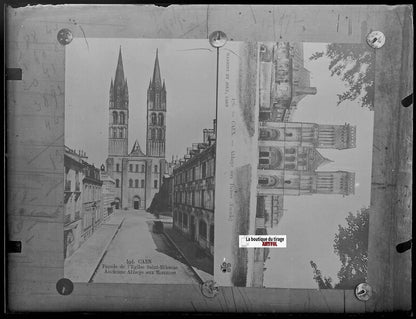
(155, 168)
(264, 154)
(122, 118)
(157, 100)
(136, 183)
(154, 121)
(211, 235)
(264, 161)
(155, 183)
(137, 168)
(161, 119)
(157, 136)
(115, 117)
(289, 134)
(185, 220)
(142, 183)
(263, 180)
(153, 134)
(290, 151)
(142, 168)
(202, 229)
(131, 167)
(114, 133)
(160, 134)
(117, 167)
(288, 182)
(130, 183)
(117, 183)
(120, 133)
(204, 169)
(203, 198)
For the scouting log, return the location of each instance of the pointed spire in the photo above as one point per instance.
(156, 71)
(119, 78)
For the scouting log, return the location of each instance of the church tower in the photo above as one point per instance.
(156, 114)
(308, 134)
(119, 112)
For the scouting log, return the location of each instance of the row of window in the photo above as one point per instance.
(121, 132)
(202, 198)
(157, 119)
(156, 134)
(135, 183)
(182, 220)
(206, 169)
(119, 118)
(91, 193)
(136, 168)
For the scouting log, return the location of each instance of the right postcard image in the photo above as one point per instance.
(294, 159)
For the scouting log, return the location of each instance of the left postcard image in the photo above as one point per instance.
(139, 161)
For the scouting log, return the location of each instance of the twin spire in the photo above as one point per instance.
(119, 87)
(156, 80)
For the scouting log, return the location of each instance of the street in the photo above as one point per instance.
(137, 255)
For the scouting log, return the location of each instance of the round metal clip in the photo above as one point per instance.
(65, 36)
(209, 289)
(217, 39)
(376, 39)
(64, 286)
(363, 291)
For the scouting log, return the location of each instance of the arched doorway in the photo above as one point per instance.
(136, 202)
(117, 203)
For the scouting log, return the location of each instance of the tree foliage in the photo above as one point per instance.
(351, 245)
(355, 65)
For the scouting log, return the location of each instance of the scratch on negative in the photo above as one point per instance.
(85, 38)
(49, 145)
(29, 239)
(252, 13)
(338, 23)
(207, 20)
(191, 29)
(50, 190)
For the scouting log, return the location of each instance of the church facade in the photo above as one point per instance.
(137, 175)
(288, 158)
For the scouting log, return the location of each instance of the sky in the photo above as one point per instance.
(311, 222)
(188, 67)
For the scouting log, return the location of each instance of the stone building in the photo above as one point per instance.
(108, 193)
(138, 175)
(288, 159)
(74, 174)
(284, 81)
(194, 193)
(92, 214)
(82, 200)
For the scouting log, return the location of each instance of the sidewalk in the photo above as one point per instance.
(81, 265)
(200, 263)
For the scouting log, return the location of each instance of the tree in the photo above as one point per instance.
(323, 282)
(354, 64)
(351, 245)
